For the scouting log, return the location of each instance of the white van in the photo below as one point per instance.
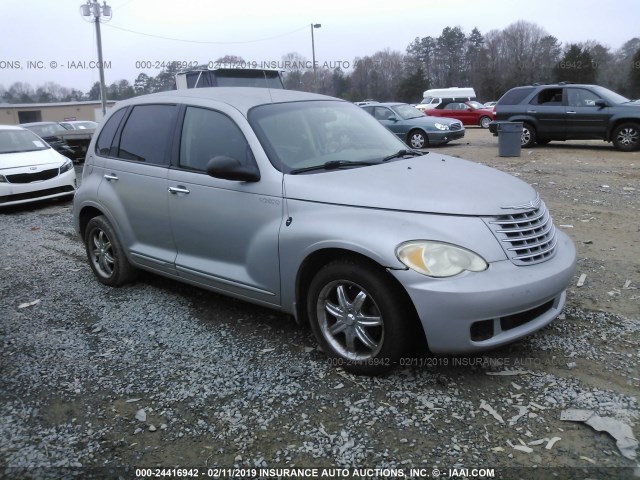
(436, 96)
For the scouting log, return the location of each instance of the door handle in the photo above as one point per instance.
(111, 177)
(531, 111)
(175, 190)
(571, 112)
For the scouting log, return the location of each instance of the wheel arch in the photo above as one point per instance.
(85, 216)
(317, 259)
(616, 122)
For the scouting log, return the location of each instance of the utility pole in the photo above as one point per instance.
(313, 53)
(95, 12)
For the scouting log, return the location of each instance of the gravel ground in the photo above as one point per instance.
(97, 382)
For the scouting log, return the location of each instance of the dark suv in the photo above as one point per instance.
(571, 112)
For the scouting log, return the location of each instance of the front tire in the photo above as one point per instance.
(626, 137)
(358, 317)
(484, 122)
(106, 256)
(417, 139)
(528, 138)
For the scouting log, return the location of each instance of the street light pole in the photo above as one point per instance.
(313, 53)
(97, 11)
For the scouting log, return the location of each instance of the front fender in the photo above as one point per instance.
(372, 233)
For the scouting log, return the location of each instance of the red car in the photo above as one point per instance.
(470, 113)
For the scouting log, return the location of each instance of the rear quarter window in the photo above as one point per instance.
(105, 140)
(515, 96)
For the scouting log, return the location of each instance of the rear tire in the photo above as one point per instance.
(626, 137)
(528, 138)
(358, 317)
(484, 122)
(106, 256)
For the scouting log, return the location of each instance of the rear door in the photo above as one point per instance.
(133, 190)
(550, 113)
(226, 232)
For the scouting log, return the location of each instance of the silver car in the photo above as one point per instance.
(306, 204)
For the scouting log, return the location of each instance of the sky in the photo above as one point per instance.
(49, 40)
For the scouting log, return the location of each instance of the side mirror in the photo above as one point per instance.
(228, 168)
(392, 119)
(600, 103)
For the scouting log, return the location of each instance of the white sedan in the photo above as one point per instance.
(30, 169)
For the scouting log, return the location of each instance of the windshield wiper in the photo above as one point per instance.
(402, 153)
(331, 165)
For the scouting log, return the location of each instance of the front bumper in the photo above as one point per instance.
(19, 193)
(442, 137)
(479, 311)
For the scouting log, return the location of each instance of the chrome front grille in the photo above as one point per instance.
(455, 126)
(528, 237)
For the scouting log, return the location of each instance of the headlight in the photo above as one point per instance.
(66, 166)
(441, 126)
(436, 259)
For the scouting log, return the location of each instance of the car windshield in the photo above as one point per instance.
(15, 141)
(47, 130)
(476, 104)
(610, 96)
(407, 112)
(305, 134)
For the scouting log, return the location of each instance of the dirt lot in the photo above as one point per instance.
(99, 382)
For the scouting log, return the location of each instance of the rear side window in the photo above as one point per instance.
(105, 140)
(515, 96)
(146, 134)
(549, 97)
(207, 134)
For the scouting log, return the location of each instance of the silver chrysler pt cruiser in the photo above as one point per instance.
(306, 204)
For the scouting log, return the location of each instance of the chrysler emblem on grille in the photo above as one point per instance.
(533, 204)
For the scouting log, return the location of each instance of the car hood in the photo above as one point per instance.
(432, 183)
(31, 159)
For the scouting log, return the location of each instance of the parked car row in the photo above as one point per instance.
(70, 138)
(562, 111)
(413, 127)
(30, 169)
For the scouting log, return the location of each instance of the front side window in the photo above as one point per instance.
(207, 134)
(383, 113)
(581, 97)
(146, 134)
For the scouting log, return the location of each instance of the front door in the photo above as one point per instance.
(226, 232)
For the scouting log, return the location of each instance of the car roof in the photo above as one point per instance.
(385, 104)
(36, 124)
(241, 98)
(10, 127)
(561, 84)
